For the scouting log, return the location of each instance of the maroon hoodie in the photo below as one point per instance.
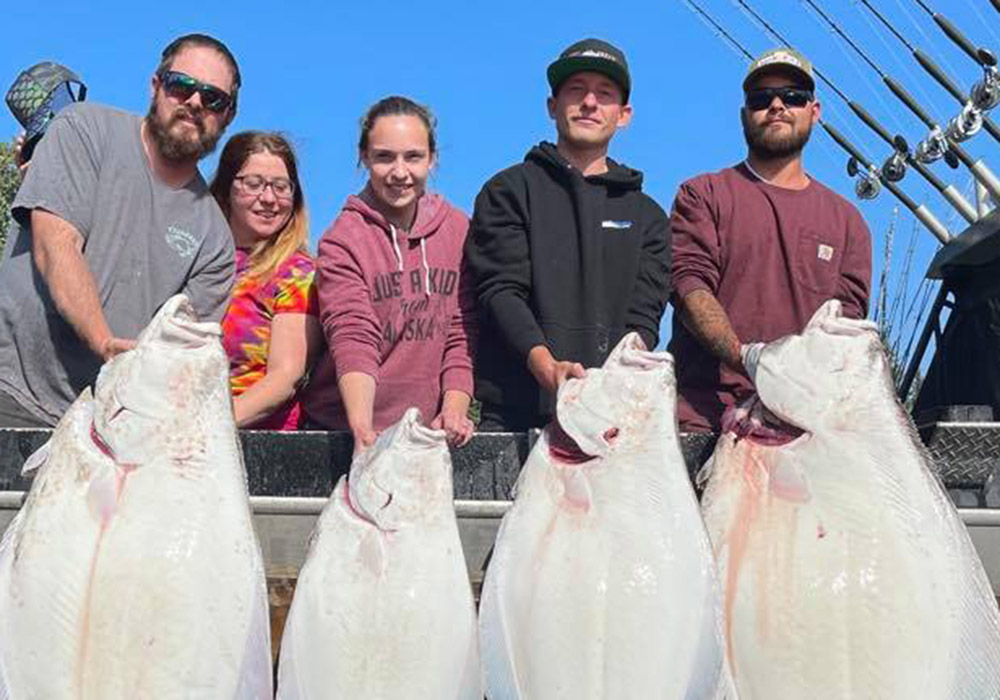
(399, 310)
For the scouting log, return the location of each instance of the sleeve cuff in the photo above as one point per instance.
(457, 379)
(685, 285)
(355, 358)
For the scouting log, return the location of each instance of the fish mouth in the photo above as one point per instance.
(752, 421)
(563, 448)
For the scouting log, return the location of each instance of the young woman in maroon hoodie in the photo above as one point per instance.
(397, 310)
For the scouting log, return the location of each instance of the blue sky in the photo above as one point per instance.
(310, 69)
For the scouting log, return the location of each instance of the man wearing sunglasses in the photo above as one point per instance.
(758, 247)
(113, 218)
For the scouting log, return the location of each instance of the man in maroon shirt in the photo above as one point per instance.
(758, 247)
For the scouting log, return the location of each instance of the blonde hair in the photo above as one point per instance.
(267, 255)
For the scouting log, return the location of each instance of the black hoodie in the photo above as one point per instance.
(561, 260)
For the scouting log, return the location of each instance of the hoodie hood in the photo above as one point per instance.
(618, 177)
(432, 211)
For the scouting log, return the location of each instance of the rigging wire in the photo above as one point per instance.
(886, 78)
(905, 66)
(928, 41)
(986, 23)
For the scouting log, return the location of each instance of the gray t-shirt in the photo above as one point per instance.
(143, 241)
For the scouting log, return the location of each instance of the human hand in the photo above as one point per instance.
(456, 425)
(115, 346)
(549, 372)
(364, 437)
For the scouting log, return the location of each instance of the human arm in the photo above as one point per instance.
(652, 284)
(696, 251)
(296, 339)
(498, 255)
(351, 329)
(854, 284)
(57, 250)
(357, 391)
(708, 322)
(457, 358)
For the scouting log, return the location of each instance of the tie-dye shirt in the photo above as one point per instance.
(246, 328)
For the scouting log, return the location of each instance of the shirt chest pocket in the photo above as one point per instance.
(816, 264)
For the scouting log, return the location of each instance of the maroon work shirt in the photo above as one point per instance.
(771, 256)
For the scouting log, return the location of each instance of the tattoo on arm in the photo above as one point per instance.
(707, 320)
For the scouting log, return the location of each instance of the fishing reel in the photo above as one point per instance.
(986, 92)
(894, 168)
(966, 124)
(868, 185)
(933, 147)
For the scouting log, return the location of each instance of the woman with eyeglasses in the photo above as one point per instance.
(397, 311)
(270, 332)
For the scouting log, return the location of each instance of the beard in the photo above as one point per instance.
(767, 146)
(178, 149)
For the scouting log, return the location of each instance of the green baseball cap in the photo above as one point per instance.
(781, 59)
(591, 55)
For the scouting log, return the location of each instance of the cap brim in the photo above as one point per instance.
(563, 68)
(787, 69)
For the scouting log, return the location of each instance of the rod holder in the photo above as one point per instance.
(932, 223)
(985, 176)
(960, 203)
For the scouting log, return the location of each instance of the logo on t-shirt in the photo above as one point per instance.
(824, 252)
(620, 225)
(183, 243)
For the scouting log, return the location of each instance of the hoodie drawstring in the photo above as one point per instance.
(423, 259)
(395, 247)
(427, 270)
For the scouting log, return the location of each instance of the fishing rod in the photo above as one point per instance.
(961, 128)
(868, 179)
(986, 92)
(932, 68)
(894, 168)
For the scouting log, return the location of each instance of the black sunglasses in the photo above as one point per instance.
(762, 98)
(181, 86)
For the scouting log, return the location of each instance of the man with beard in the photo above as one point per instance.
(567, 253)
(113, 219)
(758, 247)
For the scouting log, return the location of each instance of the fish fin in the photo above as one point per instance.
(576, 488)
(36, 460)
(102, 496)
(371, 552)
(787, 480)
(256, 682)
(496, 649)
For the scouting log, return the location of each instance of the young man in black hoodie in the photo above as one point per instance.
(566, 251)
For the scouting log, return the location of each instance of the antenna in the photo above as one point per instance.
(932, 68)
(869, 179)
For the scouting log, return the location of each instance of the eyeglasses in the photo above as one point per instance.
(762, 98)
(181, 86)
(254, 185)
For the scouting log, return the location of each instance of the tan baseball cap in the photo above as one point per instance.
(783, 58)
